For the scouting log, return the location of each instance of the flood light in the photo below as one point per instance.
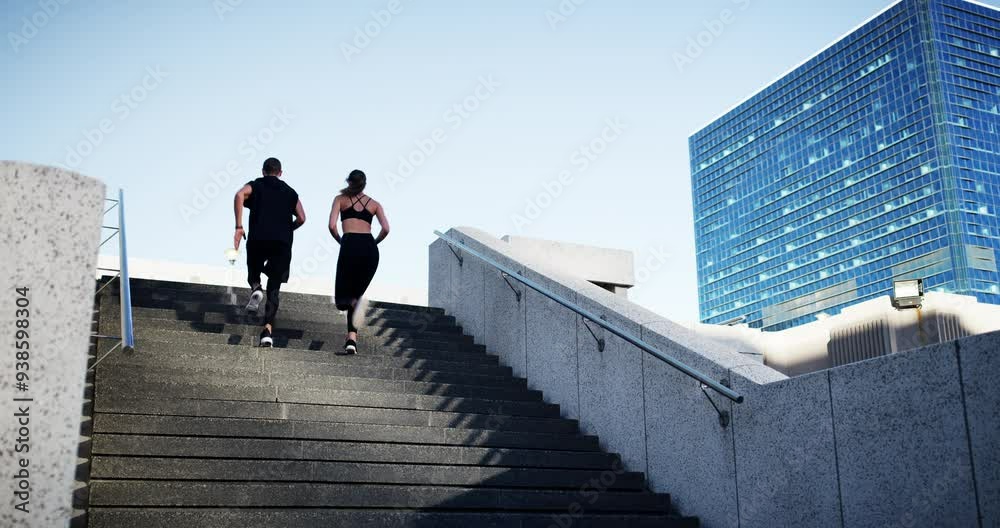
(908, 294)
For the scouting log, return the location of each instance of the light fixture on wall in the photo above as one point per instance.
(734, 321)
(907, 294)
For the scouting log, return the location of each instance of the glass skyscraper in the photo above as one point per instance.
(878, 159)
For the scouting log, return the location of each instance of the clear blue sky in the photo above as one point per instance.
(225, 73)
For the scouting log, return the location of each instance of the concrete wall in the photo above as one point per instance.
(49, 231)
(903, 440)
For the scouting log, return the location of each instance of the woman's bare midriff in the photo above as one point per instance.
(354, 225)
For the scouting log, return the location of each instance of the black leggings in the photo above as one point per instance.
(356, 267)
(273, 259)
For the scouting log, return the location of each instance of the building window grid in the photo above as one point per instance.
(762, 120)
(854, 106)
(970, 74)
(819, 177)
(795, 105)
(772, 248)
(804, 82)
(807, 211)
(920, 107)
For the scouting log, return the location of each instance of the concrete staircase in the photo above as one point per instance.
(422, 428)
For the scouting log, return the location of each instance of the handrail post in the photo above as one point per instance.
(128, 339)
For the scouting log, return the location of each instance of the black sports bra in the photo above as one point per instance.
(351, 212)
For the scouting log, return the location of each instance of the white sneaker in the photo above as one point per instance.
(255, 298)
(265, 339)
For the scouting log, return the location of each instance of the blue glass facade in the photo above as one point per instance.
(876, 160)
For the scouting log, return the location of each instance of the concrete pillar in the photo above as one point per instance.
(50, 221)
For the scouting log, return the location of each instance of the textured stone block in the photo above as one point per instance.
(551, 339)
(785, 464)
(440, 288)
(505, 317)
(50, 221)
(689, 452)
(611, 396)
(980, 360)
(470, 304)
(902, 446)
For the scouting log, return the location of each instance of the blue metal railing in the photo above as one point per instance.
(127, 337)
(705, 380)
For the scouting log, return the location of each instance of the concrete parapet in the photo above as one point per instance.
(51, 223)
(861, 445)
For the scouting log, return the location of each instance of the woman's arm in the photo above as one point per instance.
(383, 222)
(334, 216)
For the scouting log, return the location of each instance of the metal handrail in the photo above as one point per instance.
(642, 345)
(128, 338)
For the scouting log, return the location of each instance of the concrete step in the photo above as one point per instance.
(115, 374)
(242, 470)
(423, 428)
(290, 449)
(186, 331)
(302, 430)
(280, 359)
(294, 494)
(78, 518)
(382, 400)
(287, 317)
(274, 367)
(334, 413)
(144, 286)
(102, 517)
(152, 348)
(220, 369)
(179, 332)
(324, 312)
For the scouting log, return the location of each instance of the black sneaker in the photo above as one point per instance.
(350, 347)
(256, 296)
(265, 339)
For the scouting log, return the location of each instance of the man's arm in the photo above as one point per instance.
(300, 216)
(241, 196)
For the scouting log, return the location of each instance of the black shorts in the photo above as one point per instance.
(273, 258)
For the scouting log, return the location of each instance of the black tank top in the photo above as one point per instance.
(351, 212)
(272, 204)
